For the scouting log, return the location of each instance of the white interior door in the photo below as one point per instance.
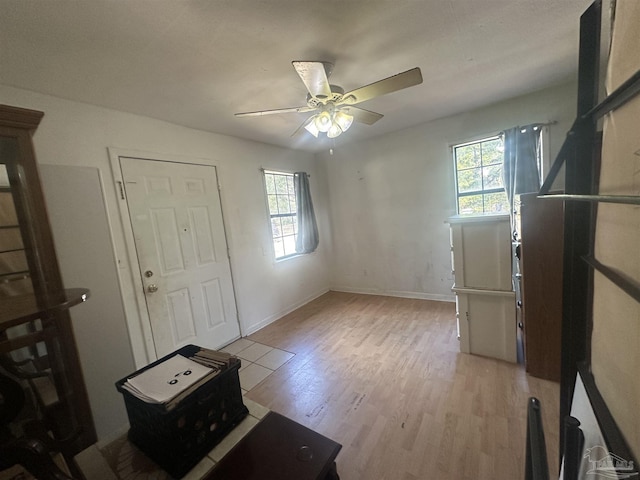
(176, 218)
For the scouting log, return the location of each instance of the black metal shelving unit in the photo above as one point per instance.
(581, 155)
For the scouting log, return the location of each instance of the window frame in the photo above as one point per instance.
(271, 216)
(482, 192)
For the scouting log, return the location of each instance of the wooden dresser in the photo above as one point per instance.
(485, 299)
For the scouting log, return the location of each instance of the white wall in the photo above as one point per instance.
(381, 207)
(81, 187)
(76, 134)
(390, 197)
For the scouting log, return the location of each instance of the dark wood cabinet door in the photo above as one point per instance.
(541, 264)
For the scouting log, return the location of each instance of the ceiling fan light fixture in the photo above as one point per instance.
(312, 128)
(334, 111)
(334, 131)
(323, 121)
(344, 120)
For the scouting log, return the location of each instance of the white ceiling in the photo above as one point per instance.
(196, 63)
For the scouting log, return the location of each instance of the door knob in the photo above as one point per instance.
(153, 288)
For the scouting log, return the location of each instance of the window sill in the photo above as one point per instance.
(292, 256)
(479, 217)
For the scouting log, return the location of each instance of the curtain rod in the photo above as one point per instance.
(523, 128)
(539, 124)
(262, 169)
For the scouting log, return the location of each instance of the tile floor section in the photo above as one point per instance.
(258, 361)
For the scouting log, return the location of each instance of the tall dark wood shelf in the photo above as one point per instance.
(37, 345)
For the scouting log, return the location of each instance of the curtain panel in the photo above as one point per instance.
(521, 158)
(308, 239)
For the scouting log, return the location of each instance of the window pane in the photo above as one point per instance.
(289, 245)
(288, 226)
(269, 183)
(283, 204)
(490, 152)
(492, 176)
(496, 203)
(278, 246)
(276, 227)
(273, 204)
(469, 180)
(282, 209)
(281, 183)
(470, 204)
(478, 169)
(468, 156)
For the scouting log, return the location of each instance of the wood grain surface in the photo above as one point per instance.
(384, 377)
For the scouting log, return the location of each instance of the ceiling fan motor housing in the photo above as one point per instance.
(320, 100)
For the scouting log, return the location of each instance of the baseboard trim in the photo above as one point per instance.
(394, 293)
(276, 316)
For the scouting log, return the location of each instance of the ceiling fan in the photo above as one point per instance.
(334, 109)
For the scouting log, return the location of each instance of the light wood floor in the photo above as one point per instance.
(384, 377)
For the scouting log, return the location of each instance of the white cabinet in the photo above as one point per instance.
(485, 299)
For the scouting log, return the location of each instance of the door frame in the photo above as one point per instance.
(133, 298)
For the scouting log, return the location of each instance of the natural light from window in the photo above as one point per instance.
(479, 184)
(281, 198)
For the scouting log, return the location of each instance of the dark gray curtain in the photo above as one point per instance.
(520, 168)
(307, 240)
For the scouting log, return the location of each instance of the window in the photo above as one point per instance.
(479, 184)
(281, 198)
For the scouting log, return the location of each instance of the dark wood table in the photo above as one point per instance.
(279, 449)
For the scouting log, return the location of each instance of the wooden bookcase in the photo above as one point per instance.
(37, 347)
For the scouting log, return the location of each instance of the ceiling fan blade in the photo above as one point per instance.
(361, 115)
(279, 110)
(314, 75)
(382, 87)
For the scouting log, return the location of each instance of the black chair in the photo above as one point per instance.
(32, 449)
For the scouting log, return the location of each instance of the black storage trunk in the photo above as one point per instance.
(178, 439)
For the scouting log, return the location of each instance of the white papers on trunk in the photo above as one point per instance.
(165, 381)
